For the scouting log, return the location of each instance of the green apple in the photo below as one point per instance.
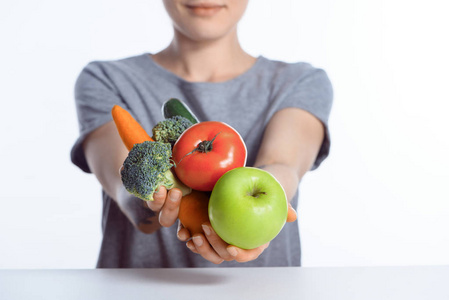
(248, 207)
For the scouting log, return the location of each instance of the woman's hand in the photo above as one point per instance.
(167, 204)
(212, 248)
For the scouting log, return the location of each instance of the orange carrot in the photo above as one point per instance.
(129, 129)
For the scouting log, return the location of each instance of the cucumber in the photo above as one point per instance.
(175, 107)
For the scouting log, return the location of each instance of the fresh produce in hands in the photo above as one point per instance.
(147, 167)
(248, 207)
(205, 151)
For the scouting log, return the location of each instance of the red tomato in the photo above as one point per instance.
(205, 151)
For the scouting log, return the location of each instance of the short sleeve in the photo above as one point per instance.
(95, 95)
(313, 93)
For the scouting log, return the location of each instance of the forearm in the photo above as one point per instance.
(105, 154)
(287, 158)
(286, 175)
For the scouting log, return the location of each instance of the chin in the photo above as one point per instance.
(204, 32)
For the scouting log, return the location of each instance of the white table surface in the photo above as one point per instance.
(380, 283)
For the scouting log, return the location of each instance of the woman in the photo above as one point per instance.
(281, 111)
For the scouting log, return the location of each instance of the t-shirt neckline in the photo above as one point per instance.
(177, 79)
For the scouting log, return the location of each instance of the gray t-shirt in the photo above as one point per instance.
(246, 102)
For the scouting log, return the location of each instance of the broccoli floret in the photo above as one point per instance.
(147, 167)
(170, 129)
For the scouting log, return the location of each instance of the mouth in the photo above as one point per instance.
(204, 9)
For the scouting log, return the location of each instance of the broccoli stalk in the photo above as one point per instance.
(147, 167)
(169, 130)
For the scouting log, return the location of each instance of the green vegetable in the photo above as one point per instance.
(147, 167)
(168, 130)
(175, 107)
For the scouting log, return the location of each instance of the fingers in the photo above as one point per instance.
(291, 215)
(200, 245)
(191, 246)
(216, 242)
(182, 233)
(211, 247)
(159, 199)
(242, 255)
(168, 205)
(170, 210)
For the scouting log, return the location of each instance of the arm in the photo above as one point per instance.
(105, 154)
(289, 147)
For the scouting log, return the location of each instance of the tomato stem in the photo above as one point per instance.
(203, 147)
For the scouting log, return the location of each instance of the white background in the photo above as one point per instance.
(382, 196)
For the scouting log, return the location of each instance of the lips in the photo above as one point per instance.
(204, 9)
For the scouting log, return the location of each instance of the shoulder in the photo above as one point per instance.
(287, 75)
(117, 65)
(283, 68)
(111, 73)
(281, 72)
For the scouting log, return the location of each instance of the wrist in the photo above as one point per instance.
(137, 211)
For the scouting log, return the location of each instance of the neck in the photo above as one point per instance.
(206, 61)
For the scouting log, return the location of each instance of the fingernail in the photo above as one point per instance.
(174, 196)
(182, 237)
(190, 246)
(198, 241)
(232, 251)
(206, 229)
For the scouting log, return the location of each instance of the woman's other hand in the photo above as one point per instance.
(166, 203)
